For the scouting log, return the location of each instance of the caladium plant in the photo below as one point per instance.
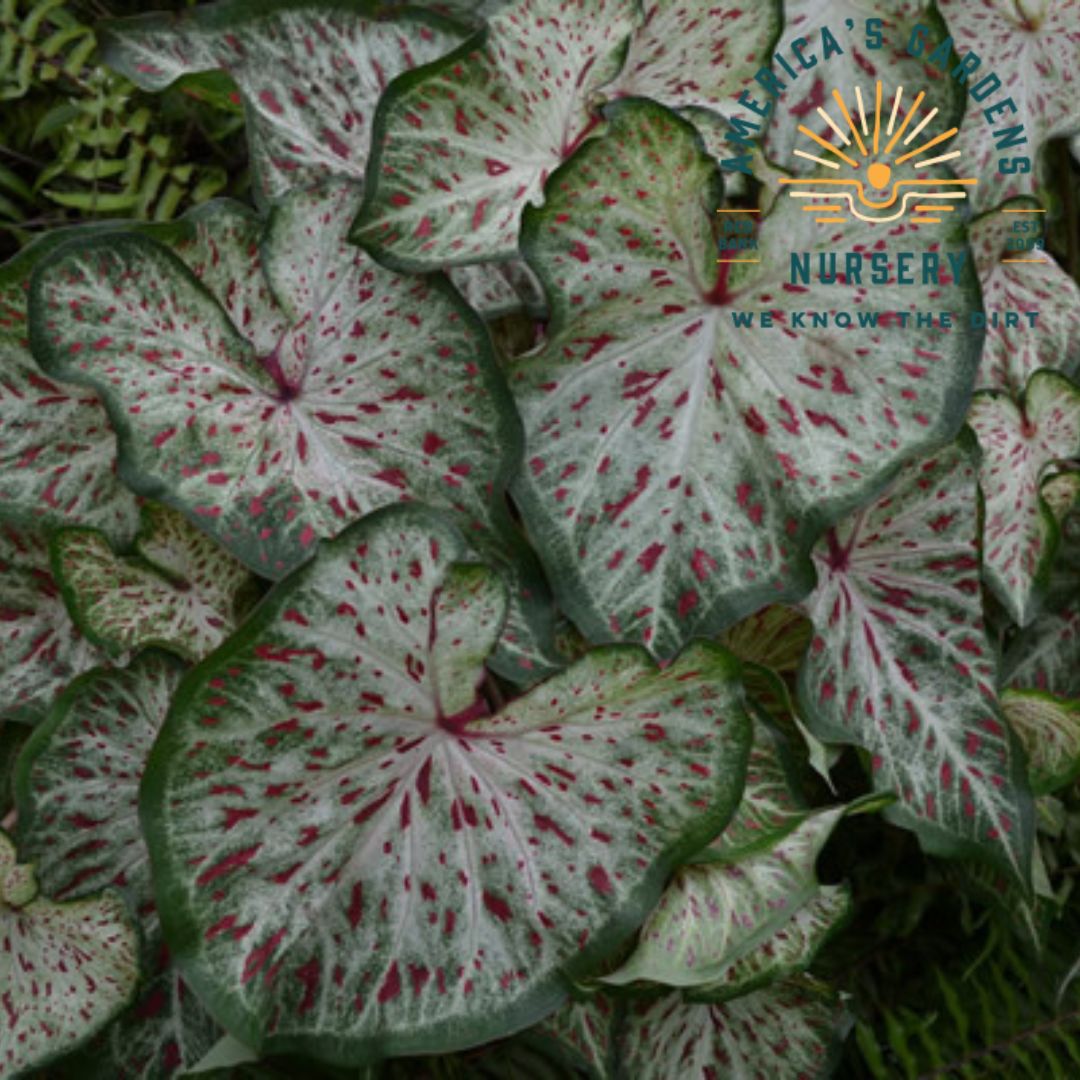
(1034, 50)
(375, 387)
(1022, 442)
(310, 73)
(338, 753)
(1012, 355)
(78, 819)
(316, 774)
(667, 481)
(875, 47)
(463, 145)
(180, 591)
(65, 969)
(57, 449)
(901, 664)
(41, 649)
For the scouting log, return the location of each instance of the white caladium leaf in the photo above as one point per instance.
(866, 55)
(41, 649)
(78, 788)
(78, 780)
(1020, 441)
(65, 969)
(499, 288)
(1049, 728)
(790, 1031)
(462, 146)
(901, 665)
(731, 926)
(310, 73)
(183, 592)
(462, 865)
(381, 389)
(57, 449)
(1012, 354)
(678, 464)
(693, 54)
(1034, 49)
(1046, 656)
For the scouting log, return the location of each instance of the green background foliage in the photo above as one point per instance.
(79, 142)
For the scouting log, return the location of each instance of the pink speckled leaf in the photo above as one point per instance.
(1012, 354)
(1034, 48)
(460, 147)
(790, 1031)
(901, 665)
(182, 591)
(78, 787)
(1021, 442)
(462, 865)
(57, 448)
(727, 928)
(310, 73)
(694, 53)
(679, 465)
(41, 649)
(502, 288)
(65, 969)
(858, 66)
(1046, 656)
(380, 389)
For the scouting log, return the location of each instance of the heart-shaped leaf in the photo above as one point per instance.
(1020, 442)
(78, 780)
(1046, 656)
(693, 54)
(900, 664)
(184, 594)
(381, 389)
(78, 786)
(729, 927)
(1049, 728)
(680, 464)
(65, 969)
(460, 147)
(1034, 98)
(791, 1031)
(334, 757)
(41, 650)
(310, 73)
(857, 55)
(1012, 354)
(57, 449)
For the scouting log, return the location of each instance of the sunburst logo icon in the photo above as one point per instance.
(885, 156)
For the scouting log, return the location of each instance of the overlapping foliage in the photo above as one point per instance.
(442, 638)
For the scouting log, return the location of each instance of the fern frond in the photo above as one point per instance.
(1000, 1017)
